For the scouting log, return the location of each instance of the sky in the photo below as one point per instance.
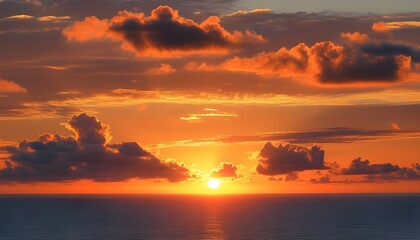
(158, 97)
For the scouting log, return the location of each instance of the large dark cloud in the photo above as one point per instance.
(85, 156)
(163, 33)
(283, 159)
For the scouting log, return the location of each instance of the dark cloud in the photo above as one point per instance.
(364, 167)
(417, 167)
(85, 156)
(328, 62)
(130, 149)
(391, 50)
(403, 174)
(226, 170)
(343, 64)
(371, 173)
(293, 176)
(278, 179)
(89, 130)
(161, 34)
(283, 159)
(381, 172)
(322, 179)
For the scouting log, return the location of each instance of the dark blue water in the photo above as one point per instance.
(210, 217)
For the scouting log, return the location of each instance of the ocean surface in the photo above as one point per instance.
(78, 217)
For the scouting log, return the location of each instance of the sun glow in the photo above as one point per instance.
(213, 183)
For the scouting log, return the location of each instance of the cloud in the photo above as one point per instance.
(327, 62)
(226, 170)
(381, 171)
(370, 173)
(290, 177)
(283, 159)
(328, 135)
(323, 179)
(403, 174)
(49, 18)
(364, 167)
(89, 130)
(355, 37)
(395, 127)
(57, 68)
(34, 2)
(54, 18)
(332, 63)
(164, 68)
(284, 62)
(278, 179)
(386, 27)
(87, 155)
(417, 167)
(10, 87)
(392, 50)
(164, 33)
(20, 16)
(209, 113)
(255, 11)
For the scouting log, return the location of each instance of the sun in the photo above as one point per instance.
(213, 183)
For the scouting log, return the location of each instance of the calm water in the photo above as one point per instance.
(209, 217)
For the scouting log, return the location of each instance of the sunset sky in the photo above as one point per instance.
(158, 97)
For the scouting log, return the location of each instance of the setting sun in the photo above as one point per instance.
(213, 183)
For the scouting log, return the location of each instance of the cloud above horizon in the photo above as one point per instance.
(11, 87)
(327, 62)
(364, 167)
(86, 155)
(327, 135)
(367, 172)
(381, 171)
(288, 158)
(162, 34)
(226, 170)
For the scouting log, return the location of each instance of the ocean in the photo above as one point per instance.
(289, 217)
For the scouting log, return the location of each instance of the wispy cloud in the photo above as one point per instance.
(329, 135)
(208, 113)
(11, 87)
(391, 26)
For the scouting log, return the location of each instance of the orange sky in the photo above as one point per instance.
(156, 99)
